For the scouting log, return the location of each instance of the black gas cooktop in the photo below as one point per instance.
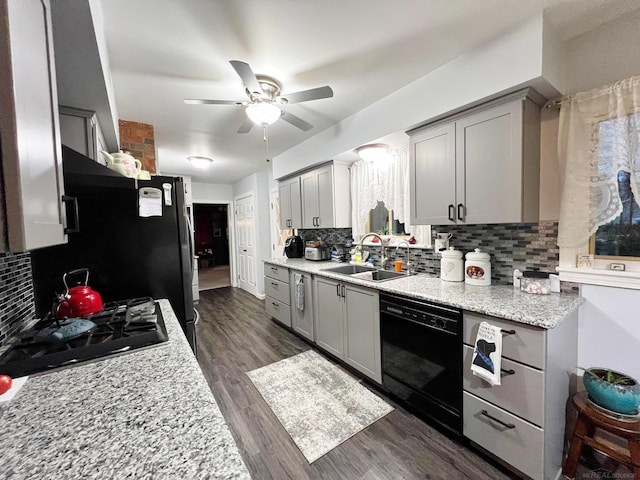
(120, 326)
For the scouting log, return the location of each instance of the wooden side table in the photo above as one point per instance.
(589, 418)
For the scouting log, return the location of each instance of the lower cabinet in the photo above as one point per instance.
(348, 324)
(301, 288)
(276, 288)
(522, 421)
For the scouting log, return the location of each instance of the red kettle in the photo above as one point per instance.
(78, 301)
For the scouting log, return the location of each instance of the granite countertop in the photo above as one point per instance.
(144, 414)
(503, 301)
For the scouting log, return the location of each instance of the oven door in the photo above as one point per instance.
(422, 363)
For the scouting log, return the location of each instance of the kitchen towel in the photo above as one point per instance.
(298, 280)
(487, 353)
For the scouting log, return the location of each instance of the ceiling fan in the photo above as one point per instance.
(265, 100)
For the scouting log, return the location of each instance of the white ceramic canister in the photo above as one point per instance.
(477, 268)
(451, 265)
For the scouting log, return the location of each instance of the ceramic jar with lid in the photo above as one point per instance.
(451, 265)
(477, 268)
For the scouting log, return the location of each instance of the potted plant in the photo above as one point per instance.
(612, 390)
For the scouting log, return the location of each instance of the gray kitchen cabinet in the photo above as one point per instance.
(290, 203)
(522, 421)
(29, 130)
(481, 166)
(329, 316)
(362, 331)
(277, 299)
(326, 198)
(80, 130)
(302, 318)
(348, 324)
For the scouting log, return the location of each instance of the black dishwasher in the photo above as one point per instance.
(422, 357)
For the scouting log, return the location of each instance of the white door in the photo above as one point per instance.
(246, 250)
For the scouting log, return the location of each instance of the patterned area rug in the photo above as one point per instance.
(318, 403)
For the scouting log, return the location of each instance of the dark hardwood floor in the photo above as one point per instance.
(235, 335)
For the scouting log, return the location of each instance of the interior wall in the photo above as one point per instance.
(609, 331)
(504, 64)
(604, 55)
(211, 193)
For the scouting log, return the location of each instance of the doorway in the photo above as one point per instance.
(212, 245)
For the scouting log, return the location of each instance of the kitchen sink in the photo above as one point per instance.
(349, 269)
(365, 273)
(378, 275)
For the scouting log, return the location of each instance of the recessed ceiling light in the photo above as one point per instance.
(200, 162)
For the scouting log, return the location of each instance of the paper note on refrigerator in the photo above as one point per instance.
(149, 202)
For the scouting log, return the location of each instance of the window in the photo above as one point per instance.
(620, 237)
(381, 220)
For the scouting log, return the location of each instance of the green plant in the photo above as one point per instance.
(384, 230)
(609, 376)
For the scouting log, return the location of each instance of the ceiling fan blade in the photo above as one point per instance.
(296, 121)
(306, 95)
(248, 77)
(246, 125)
(202, 101)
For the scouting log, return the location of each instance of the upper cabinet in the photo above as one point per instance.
(29, 129)
(80, 130)
(290, 203)
(482, 166)
(322, 196)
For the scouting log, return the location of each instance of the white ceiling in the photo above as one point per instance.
(163, 52)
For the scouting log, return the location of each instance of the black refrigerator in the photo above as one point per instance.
(128, 255)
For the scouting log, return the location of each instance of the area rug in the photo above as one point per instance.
(319, 404)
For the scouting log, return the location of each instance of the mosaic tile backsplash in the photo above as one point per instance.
(16, 294)
(511, 246)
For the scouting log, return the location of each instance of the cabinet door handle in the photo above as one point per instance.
(274, 269)
(73, 201)
(460, 211)
(506, 373)
(504, 424)
(508, 332)
(343, 291)
(274, 284)
(452, 213)
(275, 305)
(317, 221)
(338, 289)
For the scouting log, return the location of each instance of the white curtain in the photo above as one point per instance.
(599, 136)
(386, 181)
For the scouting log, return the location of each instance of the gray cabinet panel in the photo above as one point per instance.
(525, 345)
(278, 310)
(329, 321)
(274, 271)
(521, 446)
(520, 392)
(277, 290)
(433, 166)
(290, 203)
(362, 331)
(324, 182)
(302, 320)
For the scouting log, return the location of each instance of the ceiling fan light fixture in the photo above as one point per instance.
(263, 113)
(373, 152)
(200, 162)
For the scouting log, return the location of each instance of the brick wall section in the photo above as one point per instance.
(138, 139)
(17, 307)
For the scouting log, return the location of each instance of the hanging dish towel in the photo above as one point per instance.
(299, 283)
(487, 353)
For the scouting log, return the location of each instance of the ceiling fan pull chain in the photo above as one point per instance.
(265, 137)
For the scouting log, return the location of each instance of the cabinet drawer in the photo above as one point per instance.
(278, 310)
(274, 271)
(277, 290)
(521, 393)
(520, 446)
(526, 345)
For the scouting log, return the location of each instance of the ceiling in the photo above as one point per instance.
(163, 52)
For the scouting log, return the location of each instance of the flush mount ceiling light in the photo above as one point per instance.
(263, 113)
(200, 162)
(373, 152)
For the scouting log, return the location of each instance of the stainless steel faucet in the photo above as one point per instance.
(384, 259)
(409, 264)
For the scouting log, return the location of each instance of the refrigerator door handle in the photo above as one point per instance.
(192, 250)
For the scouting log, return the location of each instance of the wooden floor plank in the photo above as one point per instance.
(235, 336)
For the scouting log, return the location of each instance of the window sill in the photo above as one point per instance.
(393, 244)
(596, 276)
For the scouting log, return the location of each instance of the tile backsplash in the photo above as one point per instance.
(511, 246)
(16, 294)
